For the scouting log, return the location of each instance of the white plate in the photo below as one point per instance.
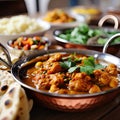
(79, 19)
(70, 24)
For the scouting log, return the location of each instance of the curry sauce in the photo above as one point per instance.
(71, 74)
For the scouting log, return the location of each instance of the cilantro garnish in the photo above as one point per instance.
(89, 65)
(72, 69)
(87, 69)
(68, 63)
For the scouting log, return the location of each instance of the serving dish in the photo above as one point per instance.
(81, 19)
(86, 10)
(88, 37)
(62, 18)
(91, 13)
(17, 26)
(28, 45)
(66, 102)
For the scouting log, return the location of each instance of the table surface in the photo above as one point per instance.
(109, 111)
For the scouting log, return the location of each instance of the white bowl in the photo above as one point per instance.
(45, 26)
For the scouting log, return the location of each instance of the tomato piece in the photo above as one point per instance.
(26, 47)
(41, 47)
(27, 41)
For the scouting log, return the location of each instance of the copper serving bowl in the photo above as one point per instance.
(66, 102)
(113, 48)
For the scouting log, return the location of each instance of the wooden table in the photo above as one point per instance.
(110, 111)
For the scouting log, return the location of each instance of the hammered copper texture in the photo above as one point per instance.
(74, 104)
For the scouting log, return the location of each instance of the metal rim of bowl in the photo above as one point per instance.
(44, 38)
(16, 69)
(100, 25)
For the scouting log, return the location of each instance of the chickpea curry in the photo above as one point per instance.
(66, 73)
(58, 16)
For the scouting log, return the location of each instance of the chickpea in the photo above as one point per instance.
(38, 64)
(94, 89)
(53, 88)
(113, 83)
(104, 79)
(112, 69)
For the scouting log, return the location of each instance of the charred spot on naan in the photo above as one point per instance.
(3, 89)
(11, 92)
(8, 103)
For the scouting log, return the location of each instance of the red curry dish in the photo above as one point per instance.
(71, 74)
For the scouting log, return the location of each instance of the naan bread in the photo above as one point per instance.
(14, 104)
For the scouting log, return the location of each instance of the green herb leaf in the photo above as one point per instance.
(90, 61)
(98, 66)
(67, 64)
(83, 28)
(87, 69)
(72, 69)
(78, 59)
(90, 65)
(35, 42)
(64, 65)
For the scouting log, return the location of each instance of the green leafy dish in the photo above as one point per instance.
(86, 35)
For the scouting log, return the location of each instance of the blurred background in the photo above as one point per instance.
(13, 7)
(67, 13)
(44, 5)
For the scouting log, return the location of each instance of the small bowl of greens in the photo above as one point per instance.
(87, 37)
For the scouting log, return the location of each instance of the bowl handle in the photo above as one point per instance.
(109, 41)
(9, 63)
(106, 17)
